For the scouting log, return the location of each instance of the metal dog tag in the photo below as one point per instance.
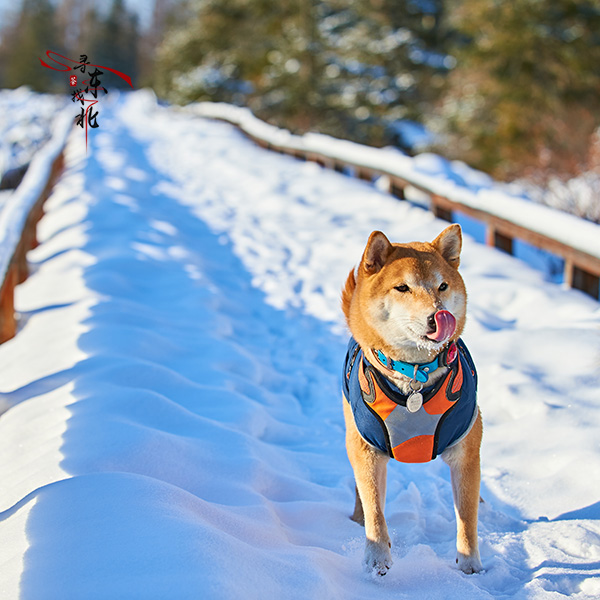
(414, 402)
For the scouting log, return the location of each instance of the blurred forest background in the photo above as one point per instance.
(511, 87)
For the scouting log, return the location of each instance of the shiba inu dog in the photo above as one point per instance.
(409, 383)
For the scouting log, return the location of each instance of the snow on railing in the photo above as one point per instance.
(19, 213)
(506, 216)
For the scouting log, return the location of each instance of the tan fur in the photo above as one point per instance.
(347, 293)
(380, 316)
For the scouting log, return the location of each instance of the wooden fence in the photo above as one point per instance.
(581, 268)
(19, 216)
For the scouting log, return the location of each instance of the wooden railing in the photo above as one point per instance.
(19, 216)
(556, 232)
(581, 270)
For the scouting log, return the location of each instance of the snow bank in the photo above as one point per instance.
(26, 121)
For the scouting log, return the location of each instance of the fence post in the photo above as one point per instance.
(568, 272)
(586, 282)
(364, 174)
(439, 210)
(8, 324)
(397, 190)
(499, 240)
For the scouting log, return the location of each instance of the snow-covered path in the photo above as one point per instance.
(176, 427)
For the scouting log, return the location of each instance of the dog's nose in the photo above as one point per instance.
(431, 324)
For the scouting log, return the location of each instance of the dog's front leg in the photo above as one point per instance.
(370, 475)
(464, 464)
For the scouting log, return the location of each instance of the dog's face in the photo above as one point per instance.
(407, 296)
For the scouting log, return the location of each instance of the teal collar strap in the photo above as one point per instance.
(419, 371)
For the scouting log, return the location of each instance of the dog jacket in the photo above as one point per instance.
(448, 412)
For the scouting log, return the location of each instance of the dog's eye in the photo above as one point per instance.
(443, 287)
(402, 288)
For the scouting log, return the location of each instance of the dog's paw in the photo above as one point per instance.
(360, 519)
(469, 564)
(378, 558)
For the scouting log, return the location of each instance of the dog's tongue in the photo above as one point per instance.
(445, 325)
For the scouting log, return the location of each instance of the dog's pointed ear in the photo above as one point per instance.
(449, 244)
(376, 253)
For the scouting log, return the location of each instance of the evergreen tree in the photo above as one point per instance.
(237, 51)
(24, 42)
(73, 28)
(391, 54)
(525, 96)
(70, 17)
(112, 41)
(339, 67)
(164, 18)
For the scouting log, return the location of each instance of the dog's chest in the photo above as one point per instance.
(445, 415)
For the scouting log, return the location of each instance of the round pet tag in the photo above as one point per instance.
(414, 402)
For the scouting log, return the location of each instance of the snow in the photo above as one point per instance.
(174, 425)
(577, 195)
(26, 121)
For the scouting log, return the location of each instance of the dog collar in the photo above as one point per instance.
(418, 371)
